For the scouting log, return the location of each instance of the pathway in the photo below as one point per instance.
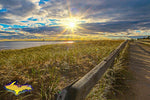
(139, 64)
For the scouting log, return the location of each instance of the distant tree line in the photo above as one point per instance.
(148, 37)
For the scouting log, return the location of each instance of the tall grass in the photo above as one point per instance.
(146, 43)
(50, 68)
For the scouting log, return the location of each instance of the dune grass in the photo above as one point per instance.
(114, 83)
(49, 68)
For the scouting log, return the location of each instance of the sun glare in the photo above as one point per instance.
(70, 23)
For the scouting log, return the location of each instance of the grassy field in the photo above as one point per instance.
(50, 68)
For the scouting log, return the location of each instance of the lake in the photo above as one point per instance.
(27, 44)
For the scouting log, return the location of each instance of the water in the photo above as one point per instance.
(27, 44)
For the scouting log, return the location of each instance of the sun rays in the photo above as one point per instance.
(71, 24)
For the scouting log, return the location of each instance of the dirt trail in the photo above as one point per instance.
(139, 64)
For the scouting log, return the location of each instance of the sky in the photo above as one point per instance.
(97, 19)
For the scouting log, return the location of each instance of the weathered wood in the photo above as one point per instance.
(80, 89)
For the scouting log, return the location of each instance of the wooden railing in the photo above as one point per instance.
(79, 89)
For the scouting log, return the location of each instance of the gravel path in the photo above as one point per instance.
(139, 64)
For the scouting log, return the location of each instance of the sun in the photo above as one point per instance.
(70, 23)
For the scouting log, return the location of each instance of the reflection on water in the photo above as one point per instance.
(27, 44)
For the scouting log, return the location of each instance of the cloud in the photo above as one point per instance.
(120, 28)
(43, 30)
(114, 27)
(16, 9)
(7, 32)
(18, 35)
(114, 17)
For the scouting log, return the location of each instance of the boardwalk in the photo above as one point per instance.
(140, 66)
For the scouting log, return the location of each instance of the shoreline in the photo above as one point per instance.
(29, 44)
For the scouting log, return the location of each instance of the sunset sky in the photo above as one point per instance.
(56, 19)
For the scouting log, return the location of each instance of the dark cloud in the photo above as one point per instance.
(15, 8)
(18, 7)
(120, 26)
(6, 21)
(43, 29)
(19, 37)
(1, 32)
(14, 35)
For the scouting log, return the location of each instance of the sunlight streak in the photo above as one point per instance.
(71, 24)
(57, 36)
